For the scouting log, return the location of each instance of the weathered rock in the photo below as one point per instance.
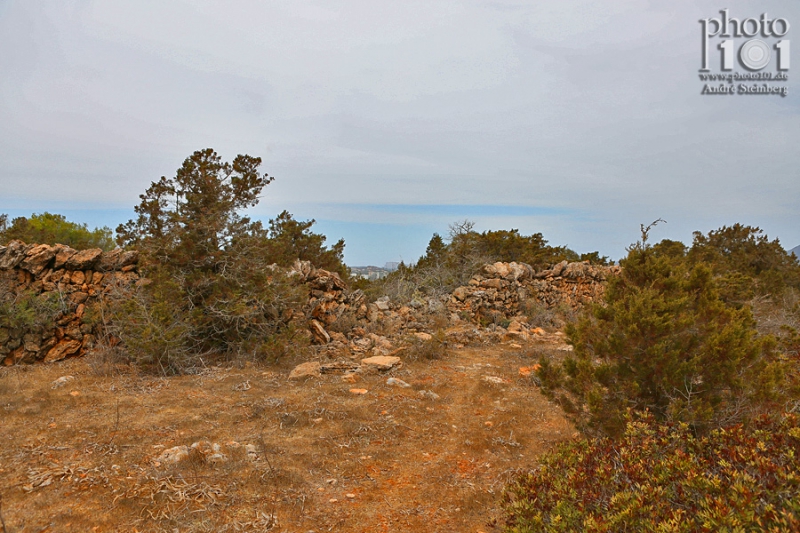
(83, 260)
(311, 369)
(394, 382)
(318, 332)
(37, 258)
(13, 254)
(61, 350)
(382, 303)
(173, 455)
(63, 253)
(60, 382)
(381, 362)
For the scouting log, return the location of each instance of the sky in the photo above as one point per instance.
(388, 121)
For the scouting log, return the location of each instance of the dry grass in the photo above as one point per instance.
(83, 455)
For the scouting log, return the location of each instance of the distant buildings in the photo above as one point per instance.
(371, 272)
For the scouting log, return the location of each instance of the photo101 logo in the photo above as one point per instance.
(752, 54)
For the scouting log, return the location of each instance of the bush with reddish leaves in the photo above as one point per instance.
(665, 478)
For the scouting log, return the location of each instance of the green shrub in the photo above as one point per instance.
(27, 310)
(48, 228)
(746, 262)
(664, 340)
(663, 478)
(212, 291)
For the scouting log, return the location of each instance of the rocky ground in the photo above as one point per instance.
(423, 442)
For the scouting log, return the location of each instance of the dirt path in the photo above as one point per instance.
(84, 456)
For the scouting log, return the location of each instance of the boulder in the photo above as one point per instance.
(83, 260)
(62, 350)
(63, 253)
(37, 259)
(381, 362)
(13, 254)
(311, 369)
(318, 332)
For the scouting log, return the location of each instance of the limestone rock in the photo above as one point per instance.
(174, 455)
(318, 332)
(62, 350)
(310, 369)
(83, 260)
(394, 382)
(382, 303)
(37, 258)
(381, 362)
(13, 254)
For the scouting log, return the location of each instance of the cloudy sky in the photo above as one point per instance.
(387, 121)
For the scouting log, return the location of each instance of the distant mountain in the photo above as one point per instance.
(796, 251)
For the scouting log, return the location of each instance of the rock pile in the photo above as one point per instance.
(74, 280)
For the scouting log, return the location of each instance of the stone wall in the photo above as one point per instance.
(71, 282)
(500, 288)
(78, 281)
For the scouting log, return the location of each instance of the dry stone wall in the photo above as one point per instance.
(66, 282)
(338, 319)
(500, 288)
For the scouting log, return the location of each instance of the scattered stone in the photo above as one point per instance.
(526, 371)
(429, 394)
(252, 452)
(60, 382)
(421, 335)
(351, 377)
(495, 380)
(350, 496)
(359, 391)
(310, 369)
(174, 455)
(394, 382)
(381, 362)
(382, 303)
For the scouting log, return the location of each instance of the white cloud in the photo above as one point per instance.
(592, 107)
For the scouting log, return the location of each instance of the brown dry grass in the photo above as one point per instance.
(81, 457)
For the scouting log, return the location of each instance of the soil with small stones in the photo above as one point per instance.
(82, 454)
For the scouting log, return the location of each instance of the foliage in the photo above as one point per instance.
(664, 478)
(28, 311)
(665, 341)
(447, 265)
(168, 327)
(188, 220)
(48, 228)
(211, 290)
(746, 261)
(289, 239)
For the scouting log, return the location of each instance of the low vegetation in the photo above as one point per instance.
(48, 228)
(665, 478)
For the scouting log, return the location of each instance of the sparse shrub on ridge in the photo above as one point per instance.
(48, 228)
(451, 264)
